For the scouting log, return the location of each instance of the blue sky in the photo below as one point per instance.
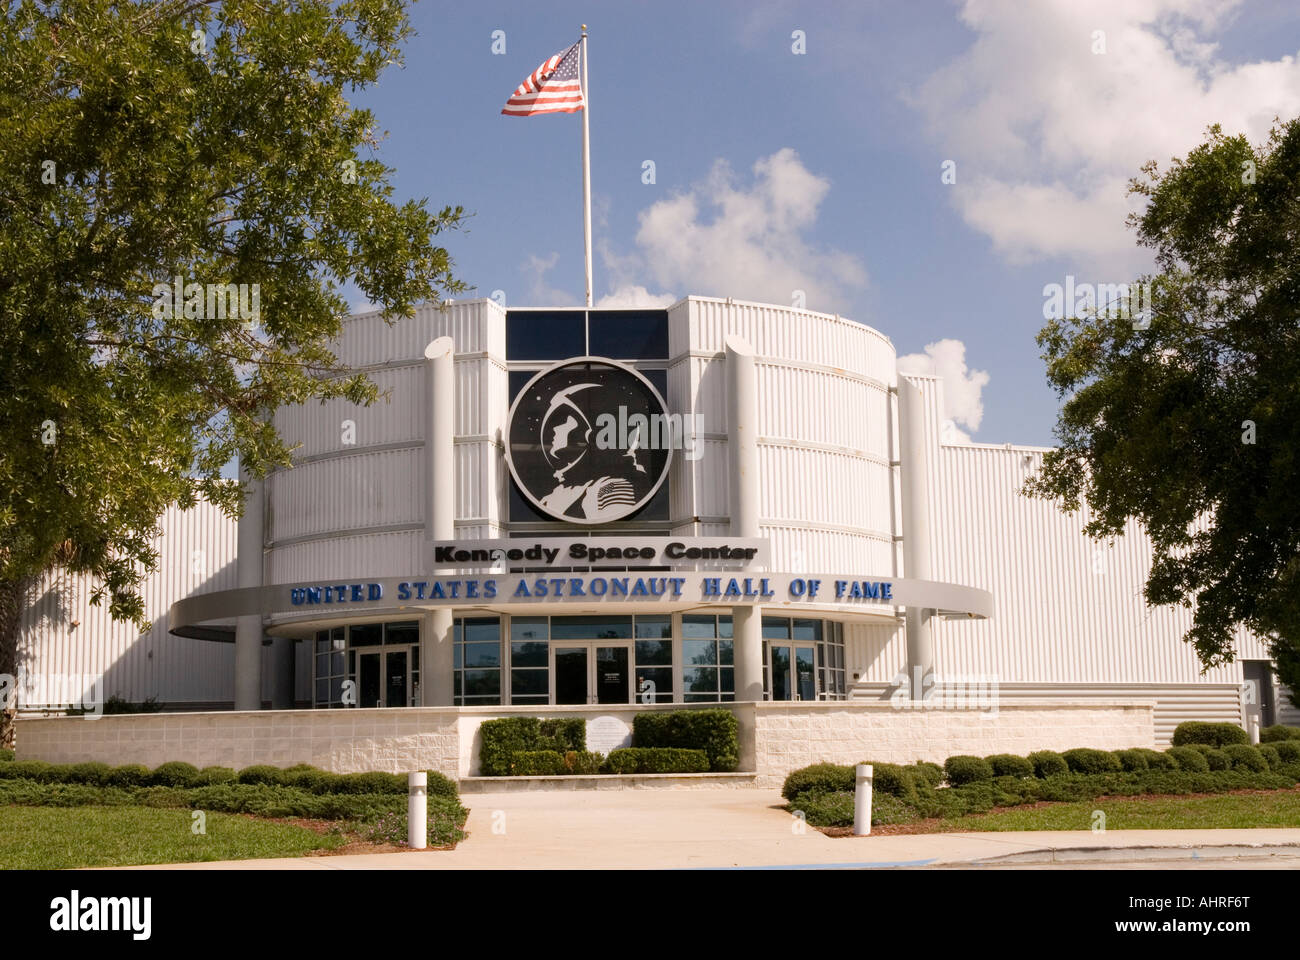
(777, 171)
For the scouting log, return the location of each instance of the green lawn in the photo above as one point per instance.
(1277, 809)
(62, 837)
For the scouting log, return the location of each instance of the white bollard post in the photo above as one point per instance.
(862, 802)
(1252, 727)
(417, 810)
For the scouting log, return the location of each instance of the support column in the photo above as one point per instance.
(436, 645)
(248, 630)
(914, 466)
(282, 676)
(742, 447)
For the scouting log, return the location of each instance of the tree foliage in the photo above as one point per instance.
(214, 142)
(1192, 425)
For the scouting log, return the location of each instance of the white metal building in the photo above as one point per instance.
(831, 459)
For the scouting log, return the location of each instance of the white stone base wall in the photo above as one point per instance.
(781, 736)
(794, 735)
(343, 741)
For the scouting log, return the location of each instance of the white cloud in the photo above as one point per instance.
(721, 238)
(962, 388)
(631, 296)
(541, 293)
(1046, 133)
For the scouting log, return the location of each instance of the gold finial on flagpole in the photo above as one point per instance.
(584, 28)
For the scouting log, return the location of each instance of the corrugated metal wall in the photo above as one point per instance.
(1175, 703)
(197, 555)
(354, 500)
(824, 475)
(1067, 609)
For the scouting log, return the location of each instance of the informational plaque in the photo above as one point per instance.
(607, 733)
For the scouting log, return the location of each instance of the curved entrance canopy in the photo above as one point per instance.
(517, 592)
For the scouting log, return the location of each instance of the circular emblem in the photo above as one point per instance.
(589, 440)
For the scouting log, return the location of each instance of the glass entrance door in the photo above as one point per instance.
(793, 669)
(592, 673)
(383, 679)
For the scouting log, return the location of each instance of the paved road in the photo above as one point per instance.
(720, 828)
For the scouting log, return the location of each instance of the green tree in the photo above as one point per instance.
(1192, 425)
(214, 142)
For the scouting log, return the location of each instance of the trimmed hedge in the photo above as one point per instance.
(930, 773)
(1245, 757)
(1272, 734)
(537, 763)
(507, 736)
(174, 774)
(715, 731)
(1087, 760)
(1048, 763)
(1213, 734)
(1270, 755)
(1288, 750)
(211, 775)
(1010, 765)
(820, 777)
(962, 769)
(1217, 759)
(129, 775)
(1132, 761)
(6, 756)
(1157, 760)
(888, 778)
(657, 760)
(583, 762)
(1188, 759)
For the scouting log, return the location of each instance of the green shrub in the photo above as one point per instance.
(210, 775)
(1048, 763)
(1245, 757)
(1157, 760)
(25, 770)
(174, 774)
(502, 739)
(92, 774)
(1213, 734)
(891, 779)
(1009, 765)
(537, 763)
(313, 780)
(1132, 761)
(563, 734)
(960, 770)
(128, 775)
(442, 786)
(1087, 760)
(820, 778)
(714, 730)
(1270, 755)
(6, 756)
(1288, 750)
(827, 809)
(583, 762)
(1188, 759)
(374, 781)
(657, 760)
(929, 773)
(262, 773)
(1217, 759)
(1278, 732)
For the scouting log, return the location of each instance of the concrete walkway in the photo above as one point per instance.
(727, 828)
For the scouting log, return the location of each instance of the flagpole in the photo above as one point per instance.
(586, 164)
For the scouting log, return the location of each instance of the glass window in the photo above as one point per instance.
(629, 334)
(654, 653)
(699, 652)
(366, 635)
(545, 334)
(329, 668)
(699, 625)
(476, 661)
(654, 627)
(776, 628)
(407, 631)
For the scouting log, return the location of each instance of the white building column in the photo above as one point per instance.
(248, 630)
(742, 448)
(914, 465)
(436, 643)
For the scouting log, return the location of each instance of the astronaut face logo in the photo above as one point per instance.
(585, 440)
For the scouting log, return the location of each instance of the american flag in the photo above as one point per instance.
(554, 87)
